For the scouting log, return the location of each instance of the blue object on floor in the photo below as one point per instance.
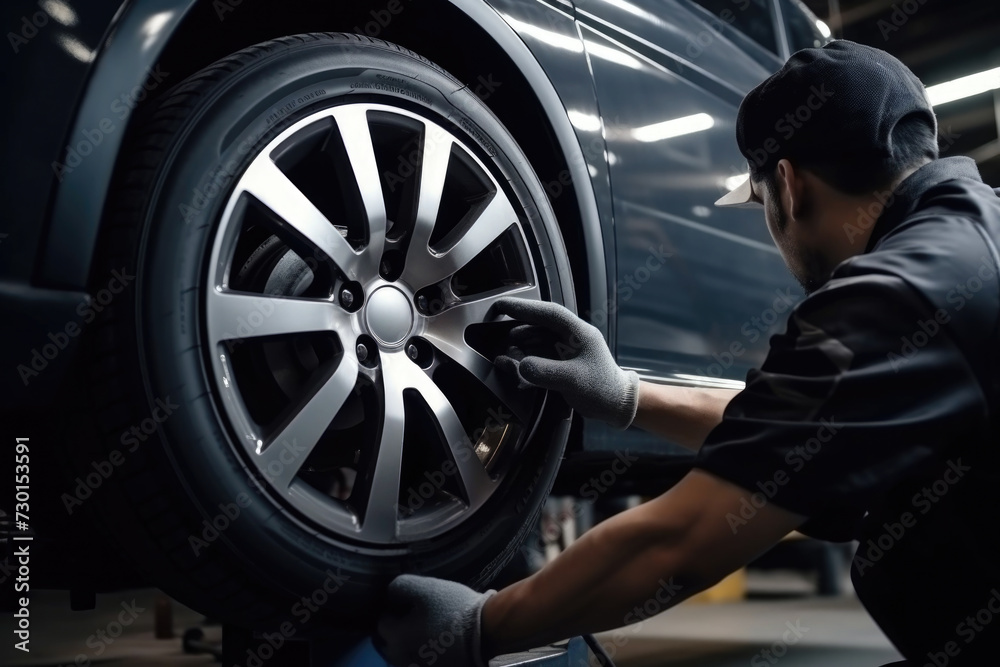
(362, 655)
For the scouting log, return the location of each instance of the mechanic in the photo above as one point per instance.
(872, 417)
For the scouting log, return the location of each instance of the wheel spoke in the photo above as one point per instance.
(483, 370)
(492, 221)
(237, 316)
(276, 191)
(284, 455)
(435, 158)
(450, 326)
(381, 514)
(352, 122)
(457, 317)
(476, 483)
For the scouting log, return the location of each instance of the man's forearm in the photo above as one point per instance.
(594, 585)
(635, 564)
(634, 557)
(684, 415)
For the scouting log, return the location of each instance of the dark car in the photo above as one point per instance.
(250, 250)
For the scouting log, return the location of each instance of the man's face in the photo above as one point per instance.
(806, 263)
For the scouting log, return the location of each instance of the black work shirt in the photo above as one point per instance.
(872, 416)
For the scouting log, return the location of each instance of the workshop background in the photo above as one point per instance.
(940, 42)
(795, 606)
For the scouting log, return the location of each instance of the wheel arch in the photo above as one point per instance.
(149, 47)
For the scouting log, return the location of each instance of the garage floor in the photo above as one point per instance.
(821, 632)
(828, 631)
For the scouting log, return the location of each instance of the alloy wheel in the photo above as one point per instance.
(348, 324)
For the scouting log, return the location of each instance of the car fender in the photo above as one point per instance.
(127, 59)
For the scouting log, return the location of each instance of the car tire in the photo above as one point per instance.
(187, 367)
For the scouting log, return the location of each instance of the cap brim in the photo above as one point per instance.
(740, 197)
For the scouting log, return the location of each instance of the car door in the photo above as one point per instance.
(699, 289)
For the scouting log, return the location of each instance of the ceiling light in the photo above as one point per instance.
(966, 86)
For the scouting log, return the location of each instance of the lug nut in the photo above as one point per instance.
(411, 351)
(422, 303)
(346, 298)
(362, 352)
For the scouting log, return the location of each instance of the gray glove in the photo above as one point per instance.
(431, 621)
(584, 372)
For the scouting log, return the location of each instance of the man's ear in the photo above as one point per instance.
(794, 190)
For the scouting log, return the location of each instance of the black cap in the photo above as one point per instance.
(838, 103)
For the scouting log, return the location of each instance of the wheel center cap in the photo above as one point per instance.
(389, 315)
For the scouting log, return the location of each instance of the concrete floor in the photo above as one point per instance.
(60, 636)
(818, 632)
(830, 631)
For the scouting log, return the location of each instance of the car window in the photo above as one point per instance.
(753, 18)
(801, 26)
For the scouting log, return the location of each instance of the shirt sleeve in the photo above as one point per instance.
(865, 388)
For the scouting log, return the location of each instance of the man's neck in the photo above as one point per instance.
(860, 213)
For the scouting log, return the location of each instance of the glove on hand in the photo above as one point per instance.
(585, 372)
(425, 617)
